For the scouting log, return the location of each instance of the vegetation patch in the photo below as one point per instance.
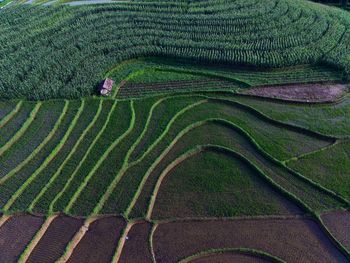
(213, 184)
(330, 119)
(50, 191)
(330, 168)
(12, 125)
(26, 140)
(96, 150)
(270, 34)
(6, 107)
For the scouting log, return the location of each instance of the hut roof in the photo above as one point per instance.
(108, 84)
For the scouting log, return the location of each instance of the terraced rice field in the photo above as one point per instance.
(226, 137)
(161, 158)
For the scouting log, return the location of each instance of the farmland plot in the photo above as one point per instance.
(277, 237)
(225, 136)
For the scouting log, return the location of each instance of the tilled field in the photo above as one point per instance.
(164, 178)
(15, 234)
(136, 247)
(257, 240)
(293, 240)
(301, 93)
(338, 222)
(99, 243)
(53, 243)
(227, 257)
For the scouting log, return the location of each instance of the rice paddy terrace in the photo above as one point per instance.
(226, 137)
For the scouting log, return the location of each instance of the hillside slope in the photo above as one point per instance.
(64, 52)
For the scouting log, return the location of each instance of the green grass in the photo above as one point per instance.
(4, 3)
(108, 170)
(7, 110)
(87, 116)
(57, 157)
(330, 168)
(37, 128)
(11, 126)
(228, 137)
(94, 153)
(212, 184)
(17, 179)
(161, 116)
(329, 119)
(133, 176)
(137, 78)
(88, 187)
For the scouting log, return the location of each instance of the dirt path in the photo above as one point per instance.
(26, 254)
(76, 239)
(312, 93)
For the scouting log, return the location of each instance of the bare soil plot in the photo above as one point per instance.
(136, 247)
(15, 234)
(53, 243)
(301, 93)
(99, 242)
(338, 222)
(229, 258)
(293, 240)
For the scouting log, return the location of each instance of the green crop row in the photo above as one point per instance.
(38, 61)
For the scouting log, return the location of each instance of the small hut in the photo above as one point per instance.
(106, 87)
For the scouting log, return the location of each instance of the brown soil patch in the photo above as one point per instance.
(55, 239)
(15, 234)
(338, 223)
(99, 242)
(293, 240)
(136, 247)
(229, 258)
(301, 93)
